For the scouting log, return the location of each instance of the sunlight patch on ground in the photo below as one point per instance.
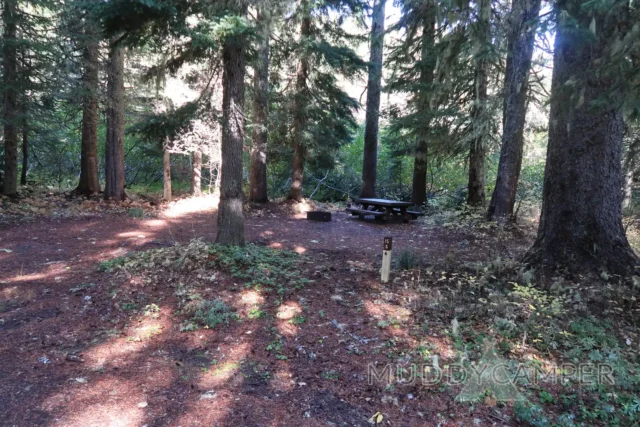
(276, 245)
(156, 223)
(287, 315)
(251, 297)
(283, 379)
(116, 409)
(220, 373)
(300, 250)
(190, 205)
(133, 235)
(288, 310)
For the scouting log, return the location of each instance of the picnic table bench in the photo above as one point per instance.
(384, 209)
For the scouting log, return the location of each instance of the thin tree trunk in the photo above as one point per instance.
(524, 14)
(476, 194)
(10, 96)
(581, 222)
(196, 174)
(25, 152)
(420, 162)
(370, 160)
(230, 216)
(627, 197)
(114, 147)
(300, 114)
(258, 176)
(166, 175)
(89, 178)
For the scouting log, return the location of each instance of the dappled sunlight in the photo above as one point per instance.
(133, 235)
(276, 245)
(15, 292)
(440, 346)
(289, 316)
(112, 352)
(191, 205)
(283, 379)
(300, 249)
(219, 373)
(250, 297)
(19, 277)
(139, 337)
(288, 310)
(109, 401)
(155, 223)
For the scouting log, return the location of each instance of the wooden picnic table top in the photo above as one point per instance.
(385, 202)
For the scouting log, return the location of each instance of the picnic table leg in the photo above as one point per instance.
(405, 216)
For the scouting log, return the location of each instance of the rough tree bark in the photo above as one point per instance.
(114, 146)
(258, 170)
(89, 178)
(300, 114)
(196, 174)
(524, 14)
(230, 216)
(630, 167)
(25, 151)
(581, 222)
(370, 159)
(476, 194)
(166, 176)
(420, 162)
(10, 96)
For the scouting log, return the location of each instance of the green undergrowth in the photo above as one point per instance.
(582, 335)
(257, 266)
(260, 267)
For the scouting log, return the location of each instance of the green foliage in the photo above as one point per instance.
(112, 264)
(213, 313)
(135, 213)
(260, 266)
(407, 260)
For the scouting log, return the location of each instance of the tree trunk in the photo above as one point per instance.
(196, 174)
(114, 147)
(258, 177)
(520, 51)
(89, 178)
(25, 152)
(630, 165)
(230, 215)
(10, 96)
(581, 222)
(370, 158)
(476, 194)
(300, 113)
(627, 197)
(419, 185)
(166, 175)
(427, 68)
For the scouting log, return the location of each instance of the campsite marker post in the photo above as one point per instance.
(386, 259)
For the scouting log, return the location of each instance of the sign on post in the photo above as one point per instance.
(386, 259)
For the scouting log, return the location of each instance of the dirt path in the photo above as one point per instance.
(53, 303)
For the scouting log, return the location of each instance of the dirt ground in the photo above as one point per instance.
(81, 347)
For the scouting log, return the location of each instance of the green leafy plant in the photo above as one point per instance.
(212, 313)
(407, 260)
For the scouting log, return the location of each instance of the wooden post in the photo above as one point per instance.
(386, 259)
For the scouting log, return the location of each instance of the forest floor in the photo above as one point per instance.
(124, 316)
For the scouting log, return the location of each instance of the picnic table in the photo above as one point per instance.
(384, 209)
